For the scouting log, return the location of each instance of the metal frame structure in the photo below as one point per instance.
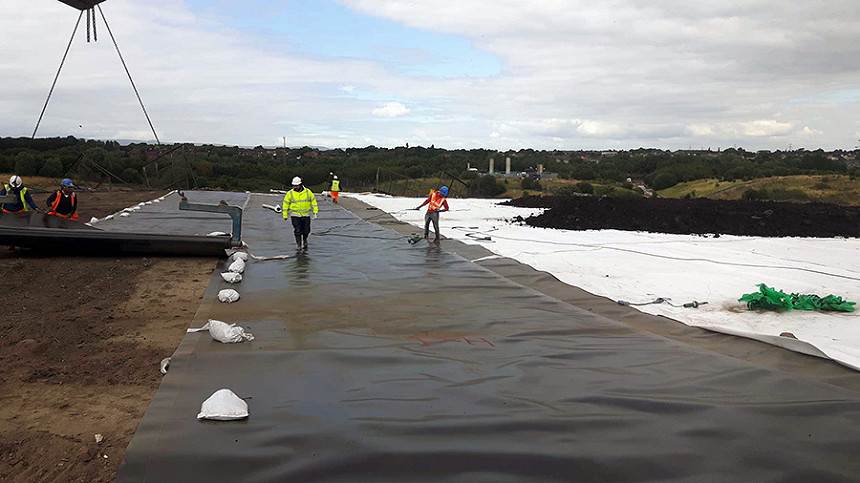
(234, 211)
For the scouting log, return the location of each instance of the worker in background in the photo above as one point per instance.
(23, 200)
(301, 203)
(335, 188)
(63, 202)
(436, 201)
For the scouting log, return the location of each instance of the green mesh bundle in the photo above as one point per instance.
(771, 299)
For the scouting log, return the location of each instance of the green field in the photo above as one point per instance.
(838, 189)
(698, 188)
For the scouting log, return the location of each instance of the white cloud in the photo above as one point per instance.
(135, 134)
(765, 128)
(699, 130)
(705, 65)
(391, 109)
(577, 73)
(598, 128)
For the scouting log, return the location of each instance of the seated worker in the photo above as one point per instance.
(63, 202)
(23, 200)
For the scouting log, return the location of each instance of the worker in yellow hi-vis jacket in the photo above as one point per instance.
(301, 204)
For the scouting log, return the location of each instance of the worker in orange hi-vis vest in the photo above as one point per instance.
(436, 201)
(63, 202)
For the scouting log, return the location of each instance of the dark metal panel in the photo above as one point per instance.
(40, 220)
(96, 242)
(82, 4)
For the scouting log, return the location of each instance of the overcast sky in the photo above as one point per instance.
(501, 74)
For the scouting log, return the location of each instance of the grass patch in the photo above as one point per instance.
(701, 187)
(837, 189)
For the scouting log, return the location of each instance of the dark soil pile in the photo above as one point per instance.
(697, 216)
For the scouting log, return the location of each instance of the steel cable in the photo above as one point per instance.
(136, 93)
(56, 77)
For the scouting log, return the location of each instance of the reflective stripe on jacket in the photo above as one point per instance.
(299, 203)
(436, 201)
(71, 206)
(335, 185)
(21, 196)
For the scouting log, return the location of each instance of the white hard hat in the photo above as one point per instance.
(15, 181)
(335, 176)
(297, 181)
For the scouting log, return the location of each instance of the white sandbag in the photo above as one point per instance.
(223, 405)
(228, 295)
(94, 220)
(237, 266)
(148, 202)
(109, 217)
(217, 233)
(224, 332)
(240, 256)
(124, 215)
(231, 277)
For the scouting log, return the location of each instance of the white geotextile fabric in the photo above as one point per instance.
(223, 405)
(224, 332)
(228, 295)
(639, 267)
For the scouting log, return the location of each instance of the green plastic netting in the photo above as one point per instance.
(771, 299)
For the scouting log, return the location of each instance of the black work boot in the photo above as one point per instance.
(305, 240)
(298, 242)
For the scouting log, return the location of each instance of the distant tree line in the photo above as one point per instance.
(259, 168)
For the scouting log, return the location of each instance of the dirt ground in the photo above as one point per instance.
(81, 340)
(695, 216)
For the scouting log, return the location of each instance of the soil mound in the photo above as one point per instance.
(696, 216)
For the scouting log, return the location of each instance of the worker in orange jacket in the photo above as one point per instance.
(436, 202)
(63, 202)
